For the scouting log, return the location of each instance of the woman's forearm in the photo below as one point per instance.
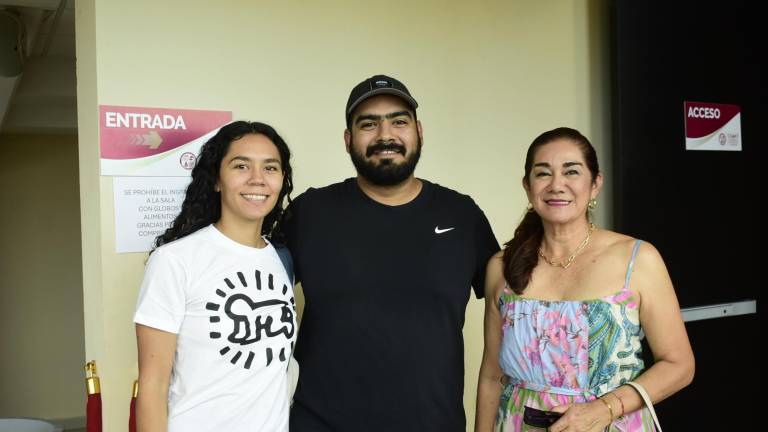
(488, 395)
(667, 377)
(152, 408)
(156, 352)
(662, 380)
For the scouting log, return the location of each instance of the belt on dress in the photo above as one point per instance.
(517, 382)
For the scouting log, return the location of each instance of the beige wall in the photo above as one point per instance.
(41, 307)
(489, 77)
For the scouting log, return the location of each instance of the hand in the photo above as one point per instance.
(582, 417)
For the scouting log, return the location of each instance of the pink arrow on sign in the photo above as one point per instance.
(136, 132)
(151, 140)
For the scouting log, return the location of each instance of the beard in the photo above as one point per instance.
(386, 172)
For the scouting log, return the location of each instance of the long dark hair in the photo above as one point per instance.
(521, 254)
(202, 204)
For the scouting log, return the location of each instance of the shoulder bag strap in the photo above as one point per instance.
(293, 365)
(648, 402)
(285, 258)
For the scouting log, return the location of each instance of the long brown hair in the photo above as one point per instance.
(521, 254)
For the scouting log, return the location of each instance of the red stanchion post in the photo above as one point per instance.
(93, 405)
(132, 417)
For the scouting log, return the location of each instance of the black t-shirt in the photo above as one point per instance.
(386, 287)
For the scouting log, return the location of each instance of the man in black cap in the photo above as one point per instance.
(386, 261)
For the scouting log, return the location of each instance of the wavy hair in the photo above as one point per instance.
(202, 204)
(521, 254)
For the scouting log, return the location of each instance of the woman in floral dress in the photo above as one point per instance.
(565, 306)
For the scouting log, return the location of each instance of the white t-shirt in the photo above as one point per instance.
(233, 310)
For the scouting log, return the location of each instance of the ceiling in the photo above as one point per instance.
(43, 98)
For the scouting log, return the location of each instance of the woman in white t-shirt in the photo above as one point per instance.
(215, 319)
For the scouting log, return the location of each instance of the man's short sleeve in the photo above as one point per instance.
(485, 247)
(162, 299)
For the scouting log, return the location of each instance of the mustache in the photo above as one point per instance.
(385, 146)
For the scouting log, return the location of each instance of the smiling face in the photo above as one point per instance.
(384, 141)
(560, 183)
(250, 179)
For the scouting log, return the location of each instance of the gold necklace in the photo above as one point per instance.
(572, 257)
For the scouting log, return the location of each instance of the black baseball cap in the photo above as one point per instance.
(377, 85)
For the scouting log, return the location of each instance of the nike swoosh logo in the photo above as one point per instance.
(440, 231)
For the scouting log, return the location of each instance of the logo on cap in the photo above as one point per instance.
(382, 83)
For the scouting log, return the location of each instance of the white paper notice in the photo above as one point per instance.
(144, 208)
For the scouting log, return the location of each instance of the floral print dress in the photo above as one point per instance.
(559, 352)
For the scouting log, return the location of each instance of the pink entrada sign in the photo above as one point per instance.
(154, 141)
(712, 126)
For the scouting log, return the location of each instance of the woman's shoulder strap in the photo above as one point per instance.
(631, 265)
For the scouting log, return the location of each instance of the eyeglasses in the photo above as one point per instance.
(538, 418)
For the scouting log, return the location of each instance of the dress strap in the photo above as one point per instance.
(631, 265)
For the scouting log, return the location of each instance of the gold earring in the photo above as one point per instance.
(592, 204)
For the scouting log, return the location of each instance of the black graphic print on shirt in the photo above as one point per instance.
(247, 324)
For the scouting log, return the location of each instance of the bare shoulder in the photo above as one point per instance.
(494, 271)
(614, 240)
(620, 246)
(649, 274)
(651, 278)
(494, 275)
(614, 246)
(496, 258)
(648, 257)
